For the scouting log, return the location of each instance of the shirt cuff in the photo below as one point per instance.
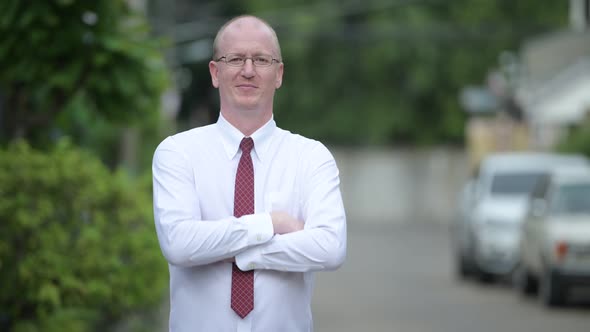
(260, 228)
(247, 259)
(261, 232)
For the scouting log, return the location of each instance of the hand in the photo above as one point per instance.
(284, 223)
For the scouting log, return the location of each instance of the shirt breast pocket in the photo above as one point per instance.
(286, 201)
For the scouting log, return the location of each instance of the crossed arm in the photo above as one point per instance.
(282, 223)
(274, 240)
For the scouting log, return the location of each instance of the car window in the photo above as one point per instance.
(571, 199)
(514, 183)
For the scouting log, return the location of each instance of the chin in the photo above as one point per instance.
(250, 104)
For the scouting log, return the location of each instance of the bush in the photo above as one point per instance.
(78, 250)
(577, 140)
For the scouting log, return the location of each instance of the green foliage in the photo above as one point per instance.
(393, 75)
(389, 72)
(66, 65)
(577, 140)
(77, 244)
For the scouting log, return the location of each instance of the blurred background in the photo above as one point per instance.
(409, 95)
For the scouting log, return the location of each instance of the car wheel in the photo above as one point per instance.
(552, 291)
(481, 275)
(523, 280)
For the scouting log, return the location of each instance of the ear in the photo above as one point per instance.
(279, 77)
(214, 70)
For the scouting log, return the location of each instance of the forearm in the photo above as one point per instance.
(196, 242)
(185, 238)
(321, 245)
(307, 250)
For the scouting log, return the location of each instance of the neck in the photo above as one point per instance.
(247, 121)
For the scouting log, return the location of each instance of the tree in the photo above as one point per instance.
(78, 251)
(386, 72)
(76, 68)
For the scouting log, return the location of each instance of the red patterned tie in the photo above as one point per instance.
(242, 282)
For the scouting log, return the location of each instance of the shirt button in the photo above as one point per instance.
(251, 266)
(259, 237)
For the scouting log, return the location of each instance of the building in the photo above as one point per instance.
(553, 88)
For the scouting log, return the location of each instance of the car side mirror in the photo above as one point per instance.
(538, 207)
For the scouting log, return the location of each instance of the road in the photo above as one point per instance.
(399, 278)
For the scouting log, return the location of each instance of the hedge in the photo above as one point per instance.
(78, 250)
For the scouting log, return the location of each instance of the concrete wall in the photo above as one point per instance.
(387, 186)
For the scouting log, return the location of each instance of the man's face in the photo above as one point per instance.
(247, 86)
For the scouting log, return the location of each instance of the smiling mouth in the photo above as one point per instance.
(248, 86)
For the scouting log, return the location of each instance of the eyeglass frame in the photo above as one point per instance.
(224, 60)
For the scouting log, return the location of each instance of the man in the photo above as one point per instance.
(245, 211)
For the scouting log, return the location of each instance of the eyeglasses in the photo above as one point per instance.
(238, 60)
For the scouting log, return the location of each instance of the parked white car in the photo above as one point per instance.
(461, 238)
(502, 187)
(555, 244)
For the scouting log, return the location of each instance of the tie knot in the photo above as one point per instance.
(246, 145)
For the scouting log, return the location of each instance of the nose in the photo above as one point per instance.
(248, 68)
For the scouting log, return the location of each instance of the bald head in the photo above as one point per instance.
(236, 24)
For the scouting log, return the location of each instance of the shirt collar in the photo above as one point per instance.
(231, 137)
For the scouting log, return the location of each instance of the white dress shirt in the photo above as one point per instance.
(194, 176)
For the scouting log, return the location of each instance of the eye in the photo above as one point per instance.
(262, 60)
(235, 60)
